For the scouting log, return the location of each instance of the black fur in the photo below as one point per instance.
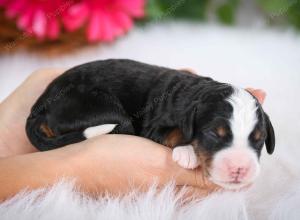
(270, 136)
(144, 100)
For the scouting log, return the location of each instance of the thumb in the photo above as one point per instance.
(189, 177)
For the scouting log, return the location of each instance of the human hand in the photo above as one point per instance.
(15, 109)
(123, 161)
(114, 164)
(120, 163)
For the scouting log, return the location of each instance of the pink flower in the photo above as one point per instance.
(105, 19)
(37, 17)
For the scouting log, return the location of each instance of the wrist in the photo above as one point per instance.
(62, 163)
(5, 149)
(74, 163)
(31, 171)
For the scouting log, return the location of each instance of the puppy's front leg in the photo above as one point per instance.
(186, 157)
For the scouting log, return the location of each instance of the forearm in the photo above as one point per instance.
(91, 164)
(109, 163)
(32, 171)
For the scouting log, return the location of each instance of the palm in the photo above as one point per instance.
(157, 162)
(16, 108)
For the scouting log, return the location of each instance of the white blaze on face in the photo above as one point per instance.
(237, 165)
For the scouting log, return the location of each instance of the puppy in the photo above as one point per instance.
(207, 123)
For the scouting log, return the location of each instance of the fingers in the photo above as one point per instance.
(188, 70)
(45, 73)
(258, 93)
(156, 160)
(189, 177)
(129, 162)
(150, 160)
(195, 178)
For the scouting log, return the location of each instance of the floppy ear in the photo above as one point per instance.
(270, 140)
(187, 124)
(187, 121)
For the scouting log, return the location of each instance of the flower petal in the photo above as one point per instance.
(75, 16)
(108, 27)
(123, 20)
(134, 8)
(39, 24)
(53, 29)
(3, 2)
(118, 29)
(25, 19)
(94, 27)
(14, 8)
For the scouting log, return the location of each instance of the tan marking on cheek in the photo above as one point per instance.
(174, 138)
(47, 131)
(203, 171)
(204, 157)
(205, 161)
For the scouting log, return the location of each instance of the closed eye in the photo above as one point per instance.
(219, 132)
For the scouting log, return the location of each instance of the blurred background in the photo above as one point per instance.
(249, 43)
(218, 37)
(245, 42)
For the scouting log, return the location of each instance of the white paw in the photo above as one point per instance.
(185, 156)
(98, 130)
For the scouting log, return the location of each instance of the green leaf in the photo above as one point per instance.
(226, 11)
(153, 9)
(293, 15)
(276, 7)
(165, 9)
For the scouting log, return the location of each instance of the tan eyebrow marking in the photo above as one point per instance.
(257, 134)
(221, 131)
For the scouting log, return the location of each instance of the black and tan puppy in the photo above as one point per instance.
(220, 126)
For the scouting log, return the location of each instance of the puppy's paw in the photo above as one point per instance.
(185, 156)
(98, 130)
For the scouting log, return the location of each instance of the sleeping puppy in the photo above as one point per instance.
(214, 124)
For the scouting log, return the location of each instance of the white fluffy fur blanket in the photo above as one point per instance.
(266, 59)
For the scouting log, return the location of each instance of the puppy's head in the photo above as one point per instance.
(229, 129)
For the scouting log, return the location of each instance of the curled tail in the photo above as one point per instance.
(44, 139)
